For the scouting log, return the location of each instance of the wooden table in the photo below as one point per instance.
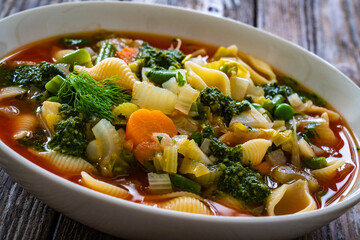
(330, 29)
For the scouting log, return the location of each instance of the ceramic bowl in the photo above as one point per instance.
(130, 220)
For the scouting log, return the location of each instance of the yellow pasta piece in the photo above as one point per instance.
(103, 187)
(241, 71)
(65, 163)
(24, 124)
(211, 77)
(290, 198)
(324, 134)
(230, 51)
(161, 197)
(111, 68)
(333, 116)
(186, 204)
(254, 151)
(62, 52)
(327, 173)
(151, 97)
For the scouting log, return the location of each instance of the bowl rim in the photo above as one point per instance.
(349, 201)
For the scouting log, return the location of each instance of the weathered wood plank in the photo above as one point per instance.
(22, 216)
(328, 28)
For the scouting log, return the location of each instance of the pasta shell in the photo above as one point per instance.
(103, 187)
(111, 68)
(10, 92)
(254, 151)
(161, 197)
(154, 98)
(333, 116)
(64, 163)
(211, 77)
(327, 173)
(290, 198)
(325, 136)
(24, 124)
(186, 204)
(62, 52)
(49, 114)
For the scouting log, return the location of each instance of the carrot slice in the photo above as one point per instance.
(128, 54)
(143, 123)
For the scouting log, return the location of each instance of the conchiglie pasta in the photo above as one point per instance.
(186, 204)
(254, 151)
(103, 187)
(111, 68)
(211, 77)
(329, 172)
(65, 163)
(24, 124)
(290, 199)
(324, 134)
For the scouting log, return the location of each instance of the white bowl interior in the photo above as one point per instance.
(19, 30)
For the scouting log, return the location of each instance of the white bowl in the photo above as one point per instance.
(130, 220)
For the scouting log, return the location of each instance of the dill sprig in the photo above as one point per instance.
(91, 97)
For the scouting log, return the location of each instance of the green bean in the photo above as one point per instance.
(182, 183)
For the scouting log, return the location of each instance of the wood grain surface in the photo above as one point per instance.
(330, 29)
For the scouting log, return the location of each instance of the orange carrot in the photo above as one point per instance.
(128, 54)
(264, 168)
(143, 123)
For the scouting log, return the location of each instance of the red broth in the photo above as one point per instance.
(137, 184)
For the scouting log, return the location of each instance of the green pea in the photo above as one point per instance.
(284, 111)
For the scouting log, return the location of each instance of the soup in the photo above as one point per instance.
(174, 124)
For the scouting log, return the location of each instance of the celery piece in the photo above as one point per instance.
(106, 50)
(182, 183)
(54, 84)
(78, 57)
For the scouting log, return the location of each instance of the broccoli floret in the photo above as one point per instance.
(220, 104)
(35, 140)
(208, 132)
(160, 59)
(35, 75)
(273, 89)
(219, 149)
(242, 183)
(6, 76)
(69, 137)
